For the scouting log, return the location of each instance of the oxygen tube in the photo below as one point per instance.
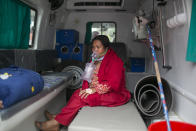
(159, 80)
(89, 68)
(96, 57)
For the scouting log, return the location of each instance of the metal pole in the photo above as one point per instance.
(159, 80)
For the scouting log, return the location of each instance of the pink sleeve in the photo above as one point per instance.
(100, 88)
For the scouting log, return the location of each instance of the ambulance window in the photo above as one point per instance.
(104, 28)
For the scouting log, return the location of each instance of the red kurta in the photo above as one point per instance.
(112, 74)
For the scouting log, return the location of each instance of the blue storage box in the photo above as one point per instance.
(137, 64)
(67, 36)
(17, 84)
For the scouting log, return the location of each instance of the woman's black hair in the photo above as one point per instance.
(104, 40)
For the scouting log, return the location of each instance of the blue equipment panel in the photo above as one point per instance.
(64, 51)
(70, 52)
(67, 36)
(137, 64)
(77, 52)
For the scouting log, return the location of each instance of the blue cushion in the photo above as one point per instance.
(17, 84)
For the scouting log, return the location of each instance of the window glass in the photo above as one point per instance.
(32, 27)
(103, 28)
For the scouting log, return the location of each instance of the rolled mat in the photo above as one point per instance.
(147, 96)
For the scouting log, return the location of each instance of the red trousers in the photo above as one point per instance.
(68, 113)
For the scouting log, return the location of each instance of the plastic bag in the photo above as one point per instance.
(88, 72)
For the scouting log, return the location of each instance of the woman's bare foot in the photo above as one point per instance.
(1, 104)
(51, 125)
(48, 115)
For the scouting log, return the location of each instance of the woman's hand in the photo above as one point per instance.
(84, 93)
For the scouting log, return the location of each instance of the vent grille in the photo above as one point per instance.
(98, 4)
(95, 4)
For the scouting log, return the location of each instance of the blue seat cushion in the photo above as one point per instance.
(17, 84)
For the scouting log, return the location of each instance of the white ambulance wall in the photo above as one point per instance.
(78, 20)
(43, 9)
(42, 26)
(183, 73)
(182, 76)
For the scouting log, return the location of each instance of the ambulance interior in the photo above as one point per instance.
(58, 45)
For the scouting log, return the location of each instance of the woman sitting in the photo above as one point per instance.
(106, 87)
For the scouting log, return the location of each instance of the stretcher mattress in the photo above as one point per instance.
(120, 118)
